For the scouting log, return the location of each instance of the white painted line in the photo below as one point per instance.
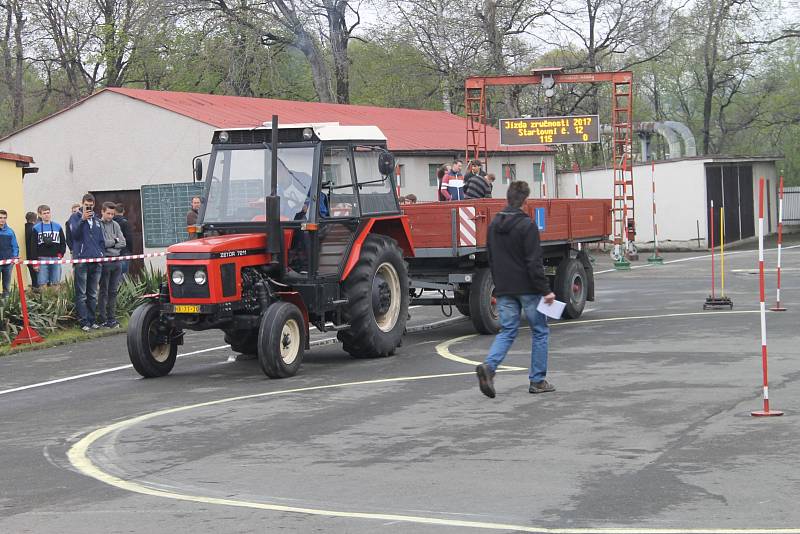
(681, 260)
(95, 373)
(78, 456)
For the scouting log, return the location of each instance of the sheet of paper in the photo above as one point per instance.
(553, 310)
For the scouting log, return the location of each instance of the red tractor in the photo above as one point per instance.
(310, 233)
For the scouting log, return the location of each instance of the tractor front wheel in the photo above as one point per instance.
(152, 346)
(281, 340)
(377, 291)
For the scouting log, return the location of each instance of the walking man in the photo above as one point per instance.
(515, 258)
(87, 242)
(49, 243)
(9, 249)
(114, 242)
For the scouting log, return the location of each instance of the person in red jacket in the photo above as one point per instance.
(515, 258)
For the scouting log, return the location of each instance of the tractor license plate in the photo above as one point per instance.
(185, 308)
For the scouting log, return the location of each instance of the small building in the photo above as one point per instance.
(118, 140)
(685, 188)
(13, 168)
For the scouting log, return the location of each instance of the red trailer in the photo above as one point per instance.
(449, 241)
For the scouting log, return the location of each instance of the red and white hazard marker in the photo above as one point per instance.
(766, 412)
(467, 232)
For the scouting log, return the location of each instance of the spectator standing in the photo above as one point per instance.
(475, 183)
(441, 172)
(191, 216)
(67, 229)
(515, 258)
(125, 226)
(9, 249)
(452, 187)
(490, 178)
(87, 242)
(111, 274)
(49, 243)
(30, 221)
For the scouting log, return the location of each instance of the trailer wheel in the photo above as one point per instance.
(377, 291)
(461, 299)
(149, 354)
(281, 340)
(243, 341)
(482, 304)
(571, 287)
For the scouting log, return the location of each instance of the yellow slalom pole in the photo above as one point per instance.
(722, 245)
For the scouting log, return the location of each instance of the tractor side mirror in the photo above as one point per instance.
(386, 163)
(198, 170)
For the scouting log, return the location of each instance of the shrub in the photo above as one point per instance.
(53, 308)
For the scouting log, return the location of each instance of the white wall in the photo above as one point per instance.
(771, 184)
(416, 174)
(681, 200)
(109, 142)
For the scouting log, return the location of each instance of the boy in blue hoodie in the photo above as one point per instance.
(87, 242)
(9, 249)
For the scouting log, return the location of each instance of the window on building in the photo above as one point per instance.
(509, 172)
(537, 172)
(433, 181)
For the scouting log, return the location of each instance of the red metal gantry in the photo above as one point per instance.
(623, 204)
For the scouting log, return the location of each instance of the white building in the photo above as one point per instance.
(684, 190)
(117, 140)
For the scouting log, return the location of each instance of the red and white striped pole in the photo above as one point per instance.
(544, 182)
(655, 258)
(778, 306)
(576, 171)
(397, 179)
(766, 411)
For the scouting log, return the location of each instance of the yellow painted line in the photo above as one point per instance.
(443, 349)
(79, 458)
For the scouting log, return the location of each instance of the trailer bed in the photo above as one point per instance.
(459, 228)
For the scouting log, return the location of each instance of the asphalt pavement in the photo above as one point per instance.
(649, 429)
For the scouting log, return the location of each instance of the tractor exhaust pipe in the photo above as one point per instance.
(273, 204)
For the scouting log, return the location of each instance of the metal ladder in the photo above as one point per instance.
(623, 207)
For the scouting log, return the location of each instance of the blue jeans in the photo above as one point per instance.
(49, 274)
(509, 307)
(6, 271)
(107, 298)
(87, 279)
(124, 266)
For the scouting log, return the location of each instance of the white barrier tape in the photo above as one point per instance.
(84, 260)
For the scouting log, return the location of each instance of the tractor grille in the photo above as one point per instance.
(189, 288)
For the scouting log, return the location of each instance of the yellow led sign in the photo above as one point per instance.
(550, 130)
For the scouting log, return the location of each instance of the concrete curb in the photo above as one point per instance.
(409, 330)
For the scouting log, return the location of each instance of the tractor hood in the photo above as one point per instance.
(246, 243)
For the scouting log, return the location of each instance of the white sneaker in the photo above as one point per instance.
(86, 328)
(95, 326)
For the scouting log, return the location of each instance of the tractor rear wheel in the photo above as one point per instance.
(152, 346)
(243, 341)
(377, 291)
(281, 340)
(482, 303)
(571, 286)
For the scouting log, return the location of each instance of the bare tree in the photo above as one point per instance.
(12, 51)
(320, 29)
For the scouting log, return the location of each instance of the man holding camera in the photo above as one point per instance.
(87, 242)
(115, 243)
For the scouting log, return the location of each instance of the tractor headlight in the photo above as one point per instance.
(224, 137)
(177, 277)
(200, 277)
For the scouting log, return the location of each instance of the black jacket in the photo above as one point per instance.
(515, 255)
(125, 226)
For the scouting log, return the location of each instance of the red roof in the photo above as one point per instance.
(8, 156)
(405, 129)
